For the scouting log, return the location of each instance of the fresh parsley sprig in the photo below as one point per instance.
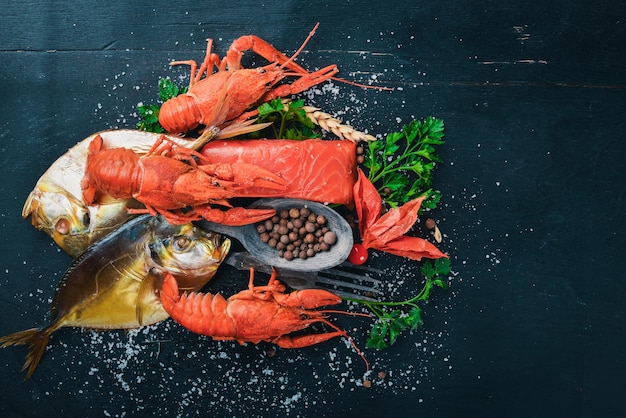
(288, 122)
(168, 90)
(149, 114)
(149, 118)
(401, 165)
(392, 319)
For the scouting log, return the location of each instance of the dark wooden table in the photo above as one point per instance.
(533, 97)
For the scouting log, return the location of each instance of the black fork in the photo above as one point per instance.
(345, 280)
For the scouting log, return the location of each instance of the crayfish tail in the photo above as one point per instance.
(169, 294)
(179, 114)
(36, 338)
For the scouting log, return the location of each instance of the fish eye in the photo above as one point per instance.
(62, 226)
(181, 243)
(86, 219)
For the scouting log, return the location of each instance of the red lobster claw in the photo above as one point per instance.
(301, 341)
(233, 216)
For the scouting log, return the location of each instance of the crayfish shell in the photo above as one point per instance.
(56, 203)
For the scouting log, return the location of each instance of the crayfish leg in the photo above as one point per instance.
(174, 217)
(193, 66)
(308, 299)
(166, 147)
(265, 292)
(210, 60)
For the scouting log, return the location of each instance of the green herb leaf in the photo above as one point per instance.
(149, 114)
(168, 90)
(290, 122)
(432, 271)
(377, 336)
(392, 320)
(409, 154)
(269, 108)
(390, 325)
(414, 319)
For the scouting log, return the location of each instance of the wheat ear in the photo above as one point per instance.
(334, 125)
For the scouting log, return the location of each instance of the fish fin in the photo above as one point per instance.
(36, 338)
(106, 199)
(28, 205)
(145, 296)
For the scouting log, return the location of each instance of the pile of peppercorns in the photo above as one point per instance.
(297, 233)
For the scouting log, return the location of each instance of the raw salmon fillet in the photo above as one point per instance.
(319, 170)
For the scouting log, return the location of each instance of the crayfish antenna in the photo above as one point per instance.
(237, 128)
(341, 80)
(295, 54)
(330, 311)
(364, 86)
(349, 338)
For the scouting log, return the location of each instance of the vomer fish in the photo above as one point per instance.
(114, 284)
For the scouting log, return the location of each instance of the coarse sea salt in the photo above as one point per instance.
(261, 383)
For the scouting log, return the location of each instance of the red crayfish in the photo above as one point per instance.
(168, 179)
(225, 95)
(260, 313)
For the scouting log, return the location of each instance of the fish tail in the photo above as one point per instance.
(36, 338)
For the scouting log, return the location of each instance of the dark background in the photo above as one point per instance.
(533, 97)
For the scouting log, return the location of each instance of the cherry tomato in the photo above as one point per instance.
(358, 254)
